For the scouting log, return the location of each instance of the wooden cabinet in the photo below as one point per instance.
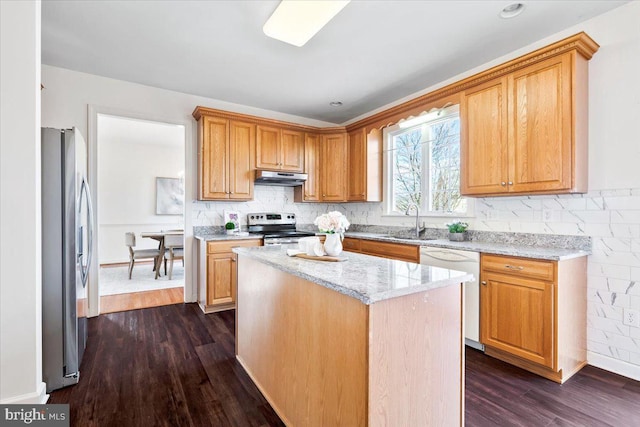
(325, 163)
(364, 159)
(311, 190)
(533, 313)
(279, 149)
(225, 159)
(217, 273)
(333, 175)
(525, 132)
(392, 250)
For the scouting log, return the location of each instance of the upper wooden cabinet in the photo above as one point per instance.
(326, 168)
(311, 190)
(364, 158)
(333, 175)
(525, 132)
(279, 149)
(225, 159)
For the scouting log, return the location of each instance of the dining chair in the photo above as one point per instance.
(136, 254)
(174, 249)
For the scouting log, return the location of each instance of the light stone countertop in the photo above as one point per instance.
(367, 278)
(538, 252)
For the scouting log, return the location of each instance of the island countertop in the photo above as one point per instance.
(367, 278)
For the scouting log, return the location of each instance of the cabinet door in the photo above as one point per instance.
(540, 101)
(357, 161)
(312, 164)
(334, 165)
(517, 316)
(483, 139)
(292, 156)
(220, 278)
(268, 148)
(214, 158)
(242, 137)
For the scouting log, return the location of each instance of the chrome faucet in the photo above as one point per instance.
(418, 228)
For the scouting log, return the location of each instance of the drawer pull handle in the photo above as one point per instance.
(512, 267)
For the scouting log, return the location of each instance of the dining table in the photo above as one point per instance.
(159, 236)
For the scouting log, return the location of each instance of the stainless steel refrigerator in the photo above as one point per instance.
(67, 237)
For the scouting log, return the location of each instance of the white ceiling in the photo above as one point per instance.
(123, 130)
(370, 54)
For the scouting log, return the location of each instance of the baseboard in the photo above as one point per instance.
(619, 367)
(39, 396)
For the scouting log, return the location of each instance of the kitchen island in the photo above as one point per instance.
(364, 342)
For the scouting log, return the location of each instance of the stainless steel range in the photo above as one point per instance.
(278, 228)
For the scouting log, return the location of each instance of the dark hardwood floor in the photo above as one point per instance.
(174, 366)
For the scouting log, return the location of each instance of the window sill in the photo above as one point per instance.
(429, 215)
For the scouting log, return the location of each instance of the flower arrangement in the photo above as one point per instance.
(332, 222)
(457, 227)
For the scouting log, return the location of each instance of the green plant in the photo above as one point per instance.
(230, 226)
(457, 227)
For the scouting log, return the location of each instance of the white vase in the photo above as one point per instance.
(333, 244)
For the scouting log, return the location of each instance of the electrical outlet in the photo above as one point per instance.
(631, 317)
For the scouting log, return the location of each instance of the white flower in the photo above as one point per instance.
(332, 222)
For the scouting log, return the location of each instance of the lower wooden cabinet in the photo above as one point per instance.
(217, 273)
(399, 251)
(533, 313)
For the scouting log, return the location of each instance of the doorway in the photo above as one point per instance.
(140, 194)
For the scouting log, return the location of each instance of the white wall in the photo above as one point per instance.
(129, 160)
(20, 247)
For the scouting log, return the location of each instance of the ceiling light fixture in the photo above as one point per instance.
(335, 104)
(512, 10)
(296, 22)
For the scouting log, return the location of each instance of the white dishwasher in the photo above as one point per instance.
(469, 262)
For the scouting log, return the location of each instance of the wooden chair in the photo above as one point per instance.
(134, 254)
(174, 249)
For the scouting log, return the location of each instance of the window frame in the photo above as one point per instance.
(387, 171)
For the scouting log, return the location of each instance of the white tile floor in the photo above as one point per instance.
(115, 280)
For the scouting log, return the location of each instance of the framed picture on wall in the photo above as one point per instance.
(232, 216)
(169, 196)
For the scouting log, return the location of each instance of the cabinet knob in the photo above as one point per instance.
(510, 182)
(483, 282)
(233, 260)
(503, 183)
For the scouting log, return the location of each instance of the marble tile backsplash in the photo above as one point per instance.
(610, 217)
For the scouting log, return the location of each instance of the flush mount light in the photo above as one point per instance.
(512, 10)
(295, 22)
(335, 104)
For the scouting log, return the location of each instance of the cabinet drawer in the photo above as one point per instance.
(391, 250)
(351, 244)
(227, 245)
(535, 269)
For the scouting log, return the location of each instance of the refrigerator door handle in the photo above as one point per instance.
(84, 190)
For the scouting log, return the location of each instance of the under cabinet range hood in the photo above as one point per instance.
(284, 179)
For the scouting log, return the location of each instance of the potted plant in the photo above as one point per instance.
(231, 227)
(457, 231)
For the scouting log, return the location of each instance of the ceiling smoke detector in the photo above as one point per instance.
(512, 10)
(335, 104)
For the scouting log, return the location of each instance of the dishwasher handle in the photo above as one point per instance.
(447, 256)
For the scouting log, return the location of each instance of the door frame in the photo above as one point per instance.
(190, 288)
